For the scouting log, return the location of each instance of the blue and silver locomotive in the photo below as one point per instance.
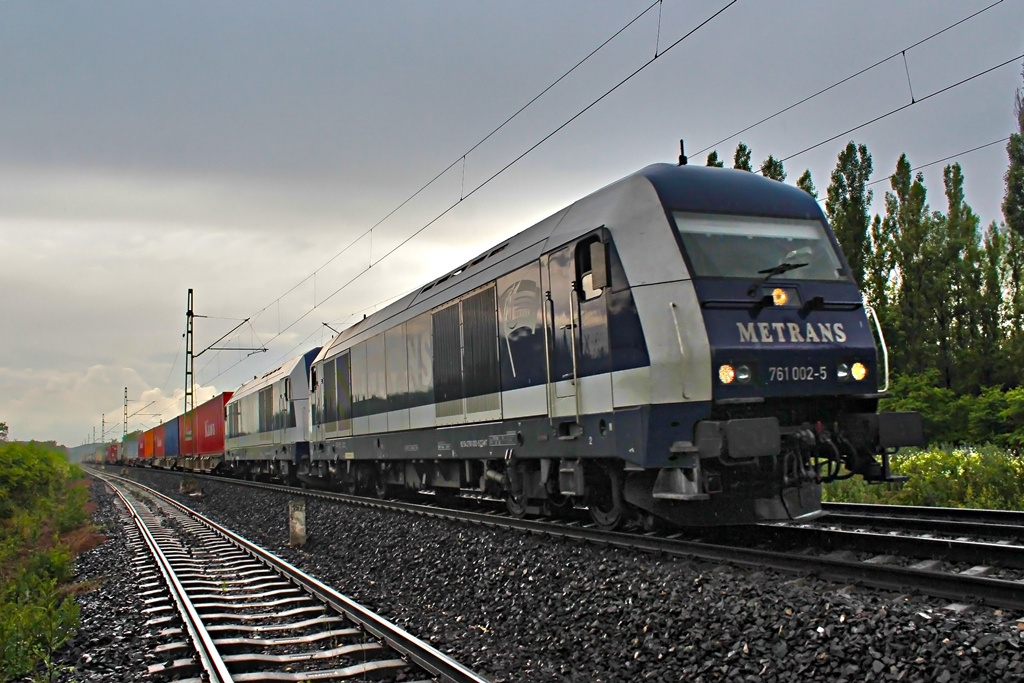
(685, 344)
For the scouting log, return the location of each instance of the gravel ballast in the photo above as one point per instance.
(520, 607)
(112, 641)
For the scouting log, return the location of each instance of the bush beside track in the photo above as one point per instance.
(962, 477)
(43, 524)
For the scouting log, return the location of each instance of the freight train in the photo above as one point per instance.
(686, 344)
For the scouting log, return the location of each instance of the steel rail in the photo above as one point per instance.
(956, 587)
(948, 527)
(209, 656)
(420, 652)
(952, 550)
(998, 517)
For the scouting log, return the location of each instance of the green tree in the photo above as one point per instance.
(805, 183)
(955, 292)
(945, 418)
(39, 501)
(714, 161)
(994, 308)
(847, 205)
(880, 271)
(1013, 199)
(1013, 213)
(772, 168)
(3, 431)
(741, 159)
(901, 268)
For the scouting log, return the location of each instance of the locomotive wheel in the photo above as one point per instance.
(604, 499)
(380, 488)
(516, 505)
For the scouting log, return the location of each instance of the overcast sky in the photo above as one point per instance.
(236, 147)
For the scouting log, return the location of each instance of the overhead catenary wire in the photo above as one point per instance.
(462, 157)
(946, 158)
(174, 363)
(465, 195)
(497, 173)
(913, 103)
(591, 105)
(300, 345)
(849, 78)
(615, 87)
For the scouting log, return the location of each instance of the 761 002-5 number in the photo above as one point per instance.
(797, 373)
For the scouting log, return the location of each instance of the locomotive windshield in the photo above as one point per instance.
(749, 246)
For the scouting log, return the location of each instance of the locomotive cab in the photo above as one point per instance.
(794, 354)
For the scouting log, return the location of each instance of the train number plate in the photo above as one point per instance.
(797, 373)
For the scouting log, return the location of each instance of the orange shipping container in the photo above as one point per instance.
(148, 441)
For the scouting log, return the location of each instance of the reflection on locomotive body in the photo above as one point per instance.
(520, 312)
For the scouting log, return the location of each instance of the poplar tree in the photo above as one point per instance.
(994, 369)
(879, 272)
(902, 235)
(847, 205)
(1013, 199)
(772, 168)
(805, 183)
(1013, 213)
(956, 291)
(741, 159)
(714, 161)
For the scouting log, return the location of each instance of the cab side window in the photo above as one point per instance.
(592, 274)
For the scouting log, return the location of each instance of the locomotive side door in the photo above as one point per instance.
(577, 320)
(284, 405)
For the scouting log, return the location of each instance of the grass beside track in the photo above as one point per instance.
(44, 515)
(986, 477)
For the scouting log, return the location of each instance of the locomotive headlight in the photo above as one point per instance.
(726, 374)
(843, 372)
(779, 296)
(859, 371)
(743, 374)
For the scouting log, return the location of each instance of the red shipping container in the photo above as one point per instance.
(202, 431)
(158, 442)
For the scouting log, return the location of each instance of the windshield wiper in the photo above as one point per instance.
(769, 273)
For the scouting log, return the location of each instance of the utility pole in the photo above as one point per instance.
(190, 380)
(190, 357)
(137, 412)
(103, 427)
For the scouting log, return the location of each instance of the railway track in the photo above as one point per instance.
(955, 522)
(232, 611)
(948, 569)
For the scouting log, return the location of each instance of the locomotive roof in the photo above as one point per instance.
(268, 378)
(725, 190)
(679, 188)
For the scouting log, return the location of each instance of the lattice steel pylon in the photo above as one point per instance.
(190, 358)
(190, 380)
